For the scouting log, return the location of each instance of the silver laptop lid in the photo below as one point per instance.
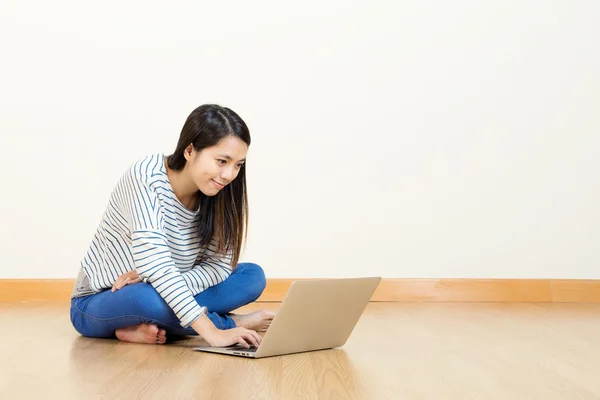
(317, 314)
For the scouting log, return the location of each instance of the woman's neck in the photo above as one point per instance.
(186, 191)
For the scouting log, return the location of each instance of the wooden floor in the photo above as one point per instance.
(397, 351)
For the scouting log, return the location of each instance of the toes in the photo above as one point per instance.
(153, 329)
(161, 338)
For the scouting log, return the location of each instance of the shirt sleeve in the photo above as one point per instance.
(209, 270)
(151, 253)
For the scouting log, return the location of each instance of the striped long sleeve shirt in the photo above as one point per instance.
(146, 228)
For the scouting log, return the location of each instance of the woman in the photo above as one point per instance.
(164, 259)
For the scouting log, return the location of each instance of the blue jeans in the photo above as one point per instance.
(100, 314)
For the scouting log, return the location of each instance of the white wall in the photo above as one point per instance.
(421, 139)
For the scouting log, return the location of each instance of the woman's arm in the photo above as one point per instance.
(209, 270)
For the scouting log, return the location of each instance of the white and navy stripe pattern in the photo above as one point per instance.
(146, 228)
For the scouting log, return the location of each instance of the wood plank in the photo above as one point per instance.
(445, 290)
(404, 290)
(36, 290)
(575, 291)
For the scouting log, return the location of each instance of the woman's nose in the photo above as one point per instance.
(228, 174)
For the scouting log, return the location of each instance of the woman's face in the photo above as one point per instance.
(215, 167)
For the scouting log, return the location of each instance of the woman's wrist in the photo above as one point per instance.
(204, 327)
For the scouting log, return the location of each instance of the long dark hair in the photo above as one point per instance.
(223, 217)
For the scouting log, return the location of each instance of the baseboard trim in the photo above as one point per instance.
(393, 290)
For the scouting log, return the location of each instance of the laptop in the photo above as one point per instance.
(314, 315)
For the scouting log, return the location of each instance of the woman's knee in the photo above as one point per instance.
(255, 277)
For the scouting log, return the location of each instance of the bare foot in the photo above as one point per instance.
(142, 333)
(258, 321)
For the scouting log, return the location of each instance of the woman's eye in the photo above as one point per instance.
(222, 162)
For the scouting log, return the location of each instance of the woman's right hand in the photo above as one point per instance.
(221, 338)
(228, 337)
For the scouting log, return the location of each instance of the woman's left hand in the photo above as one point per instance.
(126, 279)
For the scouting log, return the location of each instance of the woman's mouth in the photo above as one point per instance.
(217, 184)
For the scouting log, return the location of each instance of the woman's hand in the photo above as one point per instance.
(221, 338)
(126, 279)
(242, 336)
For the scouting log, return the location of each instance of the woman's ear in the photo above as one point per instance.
(189, 151)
